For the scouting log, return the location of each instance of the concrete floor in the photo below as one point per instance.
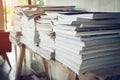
(5, 72)
(9, 74)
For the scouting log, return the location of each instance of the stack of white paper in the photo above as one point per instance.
(89, 42)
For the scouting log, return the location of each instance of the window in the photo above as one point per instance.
(38, 2)
(9, 11)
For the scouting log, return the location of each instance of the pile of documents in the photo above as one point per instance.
(80, 40)
(87, 41)
(15, 34)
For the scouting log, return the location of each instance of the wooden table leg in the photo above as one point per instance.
(15, 47)
(45, 68)
(72, 75)
(5, 57)
(20, 61)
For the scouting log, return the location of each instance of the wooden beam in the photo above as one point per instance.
(29, 2)
(1, 15)
(20, 61)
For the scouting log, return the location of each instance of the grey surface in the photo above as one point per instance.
(91, 5)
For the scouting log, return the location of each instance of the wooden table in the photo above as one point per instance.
(20, 61)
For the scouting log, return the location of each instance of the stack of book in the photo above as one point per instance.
(87, 41)
(80, 40)
(24, 23)
(15, 34)
(14, 37)
(28, 19)
(45, 30)
(57, 8)
(46, 38)
(46, 33)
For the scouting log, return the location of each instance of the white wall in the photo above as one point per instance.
(62, 2)
(92, 5)
(100, 5)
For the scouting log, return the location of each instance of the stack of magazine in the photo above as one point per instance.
(45, 29)
(46, 36)
(80, 40)
(15, 34)
(87, 41)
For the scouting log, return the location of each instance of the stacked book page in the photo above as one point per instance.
(87, 41)
(79, 39)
